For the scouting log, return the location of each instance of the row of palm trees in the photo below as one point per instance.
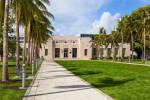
(133, 29)
(35, 18)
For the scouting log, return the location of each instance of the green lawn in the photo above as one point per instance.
(120, 81)
(11, 91)
(135, 61)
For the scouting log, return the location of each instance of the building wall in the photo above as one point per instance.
(67, 42)
(49, 46)
(81, 43)
(85, 44)
(119, 53)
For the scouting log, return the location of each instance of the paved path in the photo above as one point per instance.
(53, 82)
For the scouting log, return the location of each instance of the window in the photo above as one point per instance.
(65, 52)
(124, 51)
(94, 51)
(74, 52)
(101, 52)
(85, 52)
(109, 52)
(57, 52)
(46, 52)
(116, 51)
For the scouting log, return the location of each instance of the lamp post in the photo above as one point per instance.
(23, 77)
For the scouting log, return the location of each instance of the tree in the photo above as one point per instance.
(11, 40)
(5, 76)
(39, 16)
(142, 17)
(113, 41)
(122, 29)
(99, 41)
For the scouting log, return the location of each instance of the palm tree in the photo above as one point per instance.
(24, 15)
(131, 30)
(20, 8)
(38, 10)
(103, 36)
(142, 15)
(98, 41)
(113, 40)
(17, 12)
(122, 29)
(5, 76)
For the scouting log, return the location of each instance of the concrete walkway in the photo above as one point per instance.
(53, 82)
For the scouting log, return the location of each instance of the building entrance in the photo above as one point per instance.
(65, 52)
(74, 52)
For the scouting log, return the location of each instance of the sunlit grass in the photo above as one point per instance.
(10, 90)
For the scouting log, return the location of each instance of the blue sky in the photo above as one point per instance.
(73, 17)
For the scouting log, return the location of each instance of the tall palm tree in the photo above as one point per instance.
(17, 12)
(113, 40)
(38, 10)
(131, 30)
(142, 15)
(104, 42)
(5, 76)
(20, 8)
(99, 41)
(122, 29)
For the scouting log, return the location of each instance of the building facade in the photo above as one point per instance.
(77, 48)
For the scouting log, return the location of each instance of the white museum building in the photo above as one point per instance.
(77, 48)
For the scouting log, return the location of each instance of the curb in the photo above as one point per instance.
(30, 86)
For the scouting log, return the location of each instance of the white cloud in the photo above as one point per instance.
(107, 21)
(74, 16)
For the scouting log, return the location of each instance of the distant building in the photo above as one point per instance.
(77, 48)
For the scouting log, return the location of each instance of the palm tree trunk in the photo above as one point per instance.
(24, 50)
(97, 54)
(122, 42)
(29, 45)
(132, 46)
(114, 55)
(31, 51)
(5, 76)
(144, 49)
(17, 47)
(35, 56)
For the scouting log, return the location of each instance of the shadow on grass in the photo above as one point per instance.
(11, 81)
(86, 72)
(110, 82)
(72, 68)
(10, 85)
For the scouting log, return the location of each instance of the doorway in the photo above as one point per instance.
(65, 52)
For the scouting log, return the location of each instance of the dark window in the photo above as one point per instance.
(101, 52)
(65, 42)
(124, 51)
(109, 51)
(74, 52)
(57, 52)
(85, 52)
(94, 52)
(65, 52)
(46, 52)
(116, 51)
